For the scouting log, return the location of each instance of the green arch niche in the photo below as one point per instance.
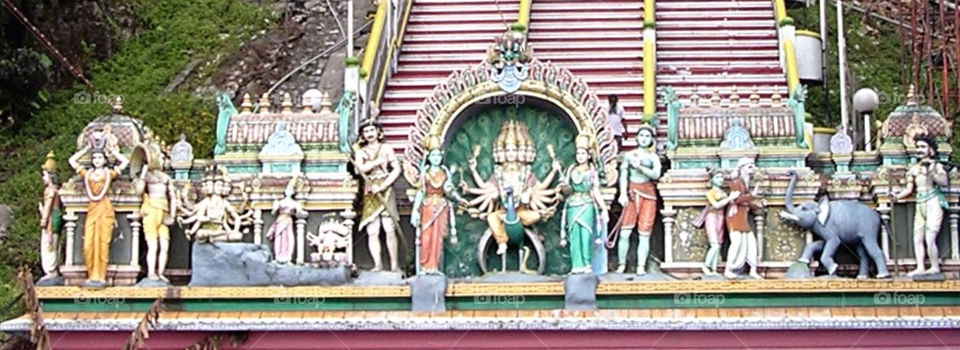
(481, 128)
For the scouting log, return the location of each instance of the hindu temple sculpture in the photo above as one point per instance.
(585, 214)
(331, 242)
(282, 231)
(227, 110)
(712, 218)
(159, 206)
(924, 179)
(213, 218)
(638, 196)
(508, 59)
(512, 198)
(51, 220)
(743, 248)
(100, 217)
(379, 168)
(433, 209)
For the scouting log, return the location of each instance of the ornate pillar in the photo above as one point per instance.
(759, 218)
(71, 226)
(668, 219)
(134, 239)
(954, 228)
(257, 226)
(348, 216)
(301, 234)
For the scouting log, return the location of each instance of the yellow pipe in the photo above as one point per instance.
(780, 10)
(792, 79)
(523, 17)
(649, 79)
(648, 6)
(370, 52)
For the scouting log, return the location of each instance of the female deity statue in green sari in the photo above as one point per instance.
(584, 212)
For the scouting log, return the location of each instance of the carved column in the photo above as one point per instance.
(884, 210)
(759, 220)
(668, 219)
(348, 216)
(257, 226)
(954, 228)
(70, 223)
(134, 239)
(301, 235)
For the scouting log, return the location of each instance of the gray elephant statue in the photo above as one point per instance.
(837, 222)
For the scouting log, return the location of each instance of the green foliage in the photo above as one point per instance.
(24, 73)
(546, 129)
(174, 33)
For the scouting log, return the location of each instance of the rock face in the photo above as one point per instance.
(248, 264)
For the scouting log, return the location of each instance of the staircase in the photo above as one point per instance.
(442, 36)
(718, 45)
(599, 41)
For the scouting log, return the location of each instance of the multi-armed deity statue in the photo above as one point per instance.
(512, 198)
(213, 218)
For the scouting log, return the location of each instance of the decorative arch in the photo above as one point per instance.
(545, 81)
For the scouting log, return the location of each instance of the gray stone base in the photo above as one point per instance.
(798, 270)
(710, 278)
(248, 264)
(511, 277)
(929, 277)
(580, 292)
(150, 282)
(47, 281)
(380, 278)
(427, 293)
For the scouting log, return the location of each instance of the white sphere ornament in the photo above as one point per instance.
(866, 100)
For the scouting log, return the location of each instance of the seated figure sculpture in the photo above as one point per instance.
(512, 199)
(214, 219)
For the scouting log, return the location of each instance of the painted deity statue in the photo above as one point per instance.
(379, 167)
(331, 241)
(51, 219)
(282, 232)
(158, 209)
(925, 178)
(584, 212)
(712, 219)
(743, 248)
(638, 196)
(99, 221)
(433, 213)
(512, 198)
(214, 219)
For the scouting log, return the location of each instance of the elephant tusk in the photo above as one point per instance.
(790, 217)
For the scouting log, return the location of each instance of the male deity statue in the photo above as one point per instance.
(157, 211)
(100, 218)
(211, 216)
(638, 196)
(379, 167)
(512, 198)
(925, 179)
(743, 242)
(51, 219)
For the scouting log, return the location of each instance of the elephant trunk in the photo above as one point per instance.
(789, 200)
